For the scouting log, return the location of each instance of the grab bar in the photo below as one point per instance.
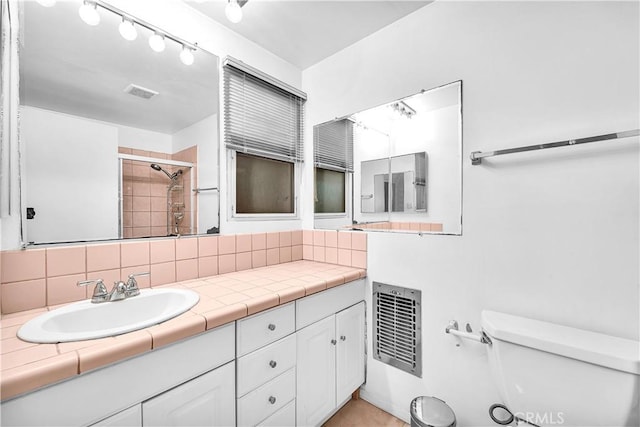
(452, 328)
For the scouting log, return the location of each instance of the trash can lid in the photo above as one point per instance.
(432, 412)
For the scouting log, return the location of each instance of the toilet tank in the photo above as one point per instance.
(550, 374)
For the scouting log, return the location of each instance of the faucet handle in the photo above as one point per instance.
(132, 285)
(100, 292)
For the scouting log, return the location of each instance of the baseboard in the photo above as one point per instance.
(383, 403)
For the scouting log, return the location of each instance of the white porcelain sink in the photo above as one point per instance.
(84, 320)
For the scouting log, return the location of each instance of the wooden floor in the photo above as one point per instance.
(360, 413)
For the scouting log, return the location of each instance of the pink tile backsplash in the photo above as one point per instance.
(226, 263)
(273, 240)
(359, 241)
(186, 269)
(163, 250)
(163, 273)
(20, 296)
(207, 246)
(243, 242)
(18, 266)
(66, 260)
(227, 245)
(103, 257)
(35, 278)
(344, 240)
(186, 248)
(258, 241)
(65, 289)
(134, 253)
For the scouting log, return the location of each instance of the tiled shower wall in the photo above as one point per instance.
(36, 278)
(145, 193)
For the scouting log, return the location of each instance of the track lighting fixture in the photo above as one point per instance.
(157, 41)
(233, 11)
(89, 13)
(127, 30)
(186, 56)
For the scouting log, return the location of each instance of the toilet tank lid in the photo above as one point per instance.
(600, 349)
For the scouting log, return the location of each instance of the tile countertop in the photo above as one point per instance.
(223, 299)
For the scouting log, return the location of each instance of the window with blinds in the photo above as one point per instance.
(262, 116)
(333, 145)
(333, 159)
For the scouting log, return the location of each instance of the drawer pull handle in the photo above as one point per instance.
(272, 400)
(273, 364)
(271, 327)
(343, 338)
(333, 342)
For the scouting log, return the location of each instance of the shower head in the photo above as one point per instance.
(157, 167)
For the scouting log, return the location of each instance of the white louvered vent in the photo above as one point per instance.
(397, 327)
(140, 92)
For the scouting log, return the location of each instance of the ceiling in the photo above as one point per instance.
(304, 32)
(71, 67)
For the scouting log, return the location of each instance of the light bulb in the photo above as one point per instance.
(233, 11)
(47, 3)
(156, 42)
(127, 30)
(186, 56)
(89, 13)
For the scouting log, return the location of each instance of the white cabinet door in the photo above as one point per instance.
(131, 417)
(349, 351)
(208, 400)
(316, 365)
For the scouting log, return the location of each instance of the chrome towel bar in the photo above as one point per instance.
(477, 156)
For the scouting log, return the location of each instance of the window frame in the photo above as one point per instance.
(348, 196)
(231, 178)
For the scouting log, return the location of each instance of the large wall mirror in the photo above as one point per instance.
(396, 167)
(120, 137)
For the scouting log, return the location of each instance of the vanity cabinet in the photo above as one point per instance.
(266, 377)
(330, 353)
(295, 364)
(101, 393)
(204, 401)
(131, 417)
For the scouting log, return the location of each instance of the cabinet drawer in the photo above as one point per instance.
(264, 328)
(255, 369)
(322, 304)
(285, 417)
(264, 401)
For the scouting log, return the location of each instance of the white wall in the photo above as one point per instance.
(204, 134)
(71, 176)
(143, 139)
(551, 234)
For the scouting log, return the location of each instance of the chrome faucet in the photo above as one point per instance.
(120, 291)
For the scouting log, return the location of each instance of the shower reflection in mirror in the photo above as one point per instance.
(395, 167)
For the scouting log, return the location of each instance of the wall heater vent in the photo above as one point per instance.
(397, 328)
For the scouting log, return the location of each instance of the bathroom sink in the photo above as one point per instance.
(84, 320)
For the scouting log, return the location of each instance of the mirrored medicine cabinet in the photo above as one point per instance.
(396, 167)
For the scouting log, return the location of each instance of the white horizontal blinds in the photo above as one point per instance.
(333, 145)
(261, 118)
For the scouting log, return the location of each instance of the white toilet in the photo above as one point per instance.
(549, 374)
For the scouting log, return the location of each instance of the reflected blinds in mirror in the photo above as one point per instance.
(333, 145)
(261, 118)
